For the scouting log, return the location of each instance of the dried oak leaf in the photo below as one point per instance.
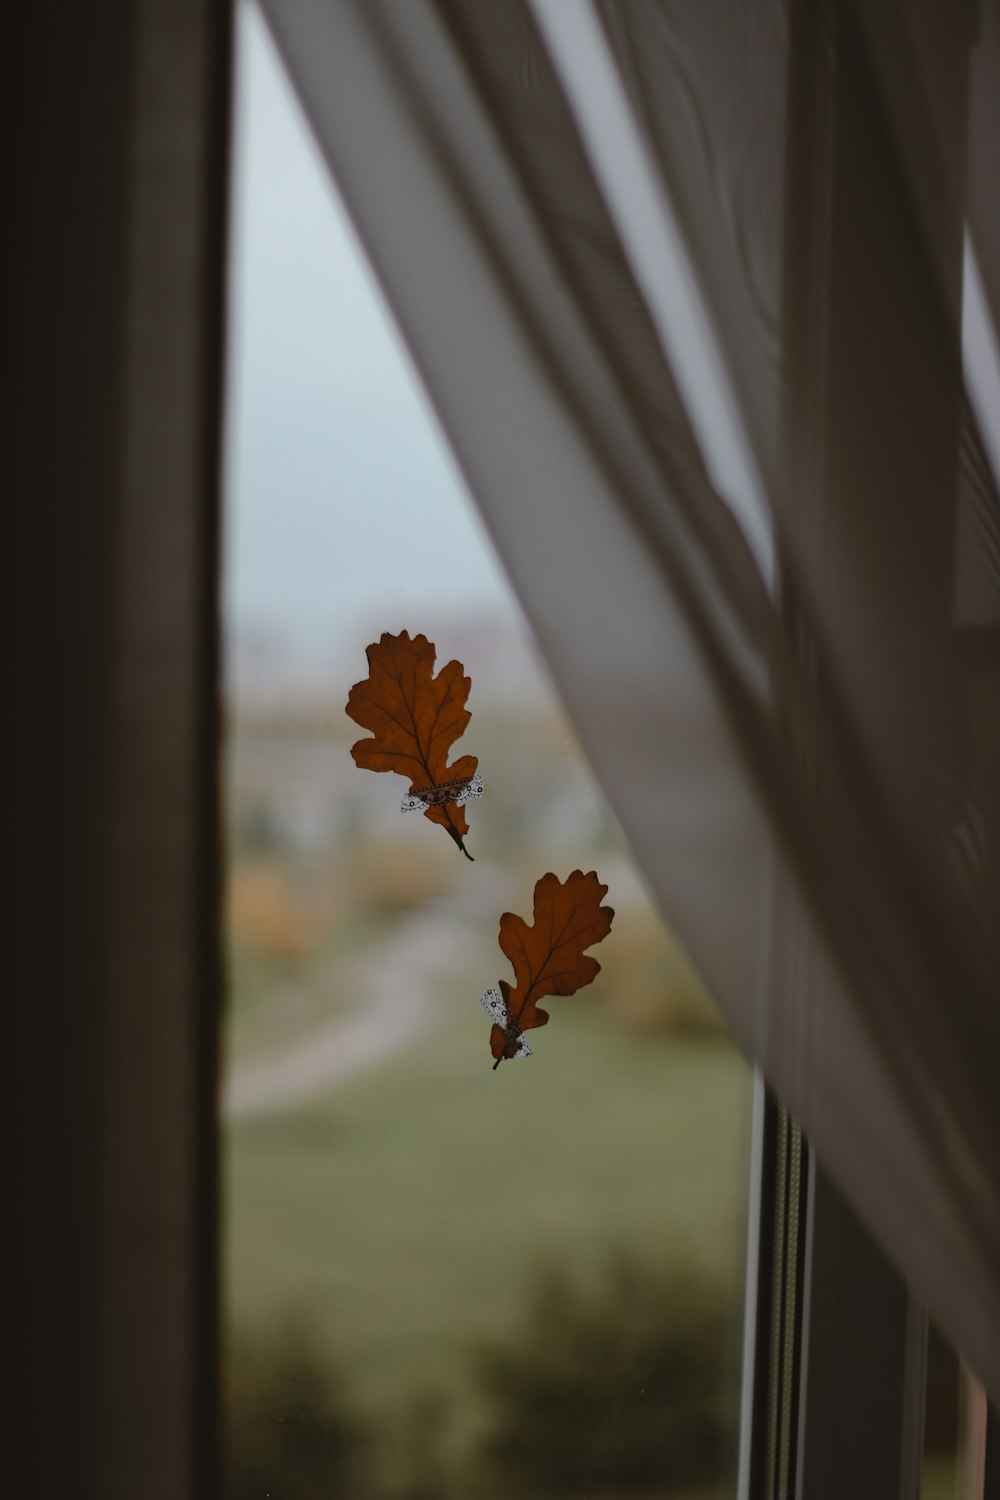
(415, 718)
(548, 957)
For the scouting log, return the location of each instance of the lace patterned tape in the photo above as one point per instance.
(495, 1007)
(454, 793)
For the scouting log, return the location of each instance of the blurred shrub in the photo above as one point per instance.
(421, 1441)
(617, 1389)
(267, 914)
(649, 984)
(288, 1430)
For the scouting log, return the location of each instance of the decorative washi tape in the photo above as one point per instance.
(453, 793)
(495, 1007)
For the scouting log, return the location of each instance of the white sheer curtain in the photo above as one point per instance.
(685, 284)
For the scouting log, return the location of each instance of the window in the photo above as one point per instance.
(438, 1280)
(118, 169)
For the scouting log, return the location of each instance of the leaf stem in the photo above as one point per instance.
(453, 831)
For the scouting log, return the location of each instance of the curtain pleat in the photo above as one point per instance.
(799, 736)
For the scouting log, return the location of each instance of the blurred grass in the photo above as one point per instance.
(402, 1215)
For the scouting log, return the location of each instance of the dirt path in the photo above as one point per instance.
(396, 987)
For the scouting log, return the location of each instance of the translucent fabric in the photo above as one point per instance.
(705, 298)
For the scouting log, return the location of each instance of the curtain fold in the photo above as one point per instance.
(792, 702)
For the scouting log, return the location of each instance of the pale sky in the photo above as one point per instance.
(343, 500)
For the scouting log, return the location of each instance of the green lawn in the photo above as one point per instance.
(400, 1220)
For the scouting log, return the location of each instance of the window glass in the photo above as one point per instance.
(440, 1279)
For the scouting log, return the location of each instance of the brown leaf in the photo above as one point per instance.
(548, 957)
(415, 718)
